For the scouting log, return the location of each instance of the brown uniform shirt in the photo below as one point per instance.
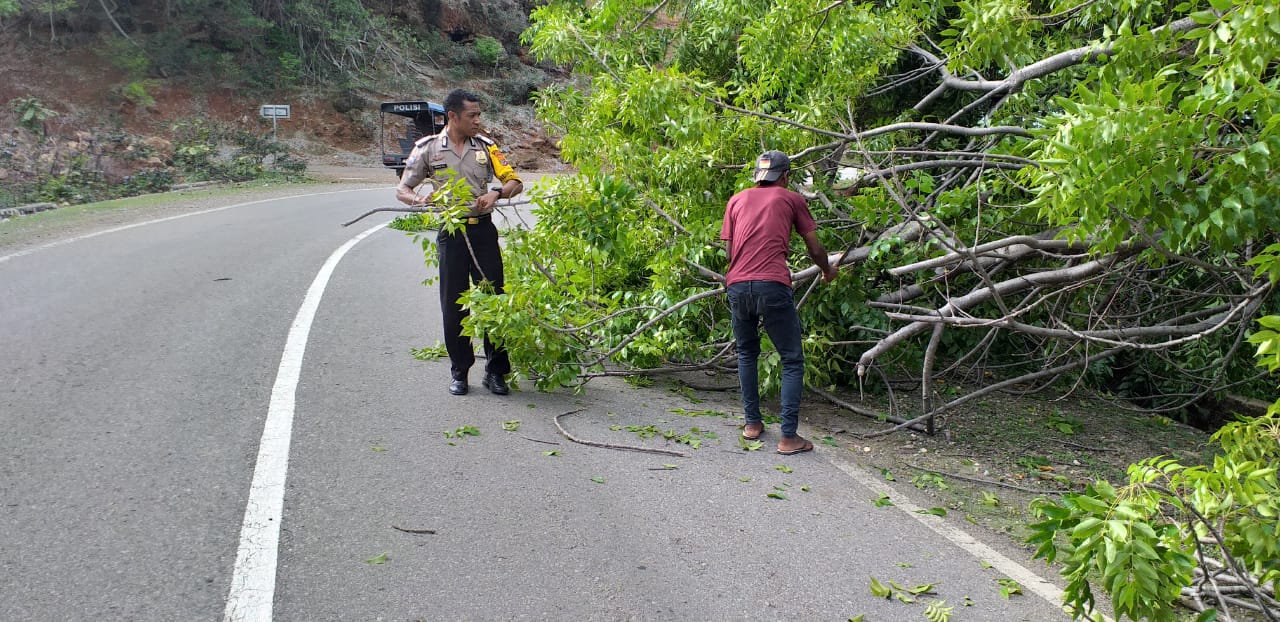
(480, 162)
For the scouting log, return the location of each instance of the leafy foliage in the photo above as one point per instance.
(1177, 531)
(199, 148)
(32, 113)
(1130, 149)
(489, 51)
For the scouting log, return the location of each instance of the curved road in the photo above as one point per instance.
(216, 416)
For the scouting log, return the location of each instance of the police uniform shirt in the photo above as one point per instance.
(479, 162)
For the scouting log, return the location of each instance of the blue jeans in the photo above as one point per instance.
(774, 303)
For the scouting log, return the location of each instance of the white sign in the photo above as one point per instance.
(274, 111)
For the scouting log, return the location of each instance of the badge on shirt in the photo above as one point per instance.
(481, 158)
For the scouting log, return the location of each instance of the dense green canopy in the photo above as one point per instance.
(1026, 191)
(1029, 196)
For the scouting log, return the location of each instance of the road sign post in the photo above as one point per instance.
(274, 112)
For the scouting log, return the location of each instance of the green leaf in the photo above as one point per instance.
(830, 442)
(882, 501)
(933, 511)
(378, 560)
(598, 479)
(553, 452)
(1009, 587)
(937, 611)
(879, 589)
(776, 495)
(1208, 615)
(782, 467)
(511, 426)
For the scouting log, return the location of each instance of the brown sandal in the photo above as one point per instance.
(752, 431)
(807, 446)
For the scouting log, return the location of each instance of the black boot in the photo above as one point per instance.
(495, 384)
(458, 386)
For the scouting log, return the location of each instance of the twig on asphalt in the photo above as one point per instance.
(538, 441)
(647, 450)
(414, 531)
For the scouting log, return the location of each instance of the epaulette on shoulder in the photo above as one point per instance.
(486, 140)
(422, 142)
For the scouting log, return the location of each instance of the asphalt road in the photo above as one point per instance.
(140, 368)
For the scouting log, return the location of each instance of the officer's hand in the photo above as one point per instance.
(831, 273)
(486, 201)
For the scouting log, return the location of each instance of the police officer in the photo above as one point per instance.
(461, 149)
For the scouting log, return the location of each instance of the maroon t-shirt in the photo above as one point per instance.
(758, 223)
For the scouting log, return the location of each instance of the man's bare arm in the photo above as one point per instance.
(818, 254)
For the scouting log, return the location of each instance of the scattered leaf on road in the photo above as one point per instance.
(879, 589)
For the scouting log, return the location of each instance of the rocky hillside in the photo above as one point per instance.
(73, 111)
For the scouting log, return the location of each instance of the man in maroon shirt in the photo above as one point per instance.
(757, 225)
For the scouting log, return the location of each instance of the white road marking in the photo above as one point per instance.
(1023, 575)
(4, 258)
(253, 583)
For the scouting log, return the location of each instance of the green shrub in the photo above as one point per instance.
(125, 56)
(137, 93)
(32, 113)
(489, 51)
(146, 182)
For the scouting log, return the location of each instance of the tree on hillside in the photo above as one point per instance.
(1028, 195)
(269, 43)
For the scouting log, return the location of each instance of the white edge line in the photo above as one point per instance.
(22, 253)
(1023, 575)
(254, 578)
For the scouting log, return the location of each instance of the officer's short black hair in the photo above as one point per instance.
(457, 98)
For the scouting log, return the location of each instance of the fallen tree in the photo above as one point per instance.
(1022, 197)
(1086, 217)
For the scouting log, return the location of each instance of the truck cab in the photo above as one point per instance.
(420, 118)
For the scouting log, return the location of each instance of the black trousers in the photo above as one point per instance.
(458, 270)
